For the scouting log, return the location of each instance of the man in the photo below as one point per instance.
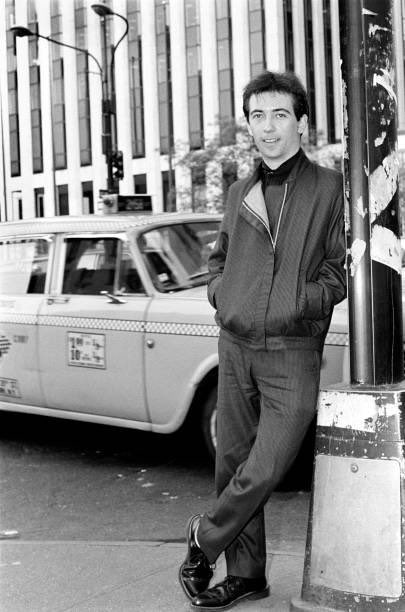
(276, 272)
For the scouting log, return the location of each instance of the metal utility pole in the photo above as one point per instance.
(371, 183)
(107, 136)
(110, 149)
(355, 558)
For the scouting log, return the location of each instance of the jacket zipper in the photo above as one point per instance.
(273, 240)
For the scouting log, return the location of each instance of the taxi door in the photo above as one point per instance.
(91, 343)
(24, 278)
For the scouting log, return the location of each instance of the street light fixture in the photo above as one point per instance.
(22, 31)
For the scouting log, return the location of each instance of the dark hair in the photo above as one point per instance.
(281, 82)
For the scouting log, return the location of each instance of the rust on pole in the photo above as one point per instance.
(371, 185)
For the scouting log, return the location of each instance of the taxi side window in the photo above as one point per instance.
(24, 265)
(129, 280)
(93, 265)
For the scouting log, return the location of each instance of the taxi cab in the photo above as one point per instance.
(105, 318)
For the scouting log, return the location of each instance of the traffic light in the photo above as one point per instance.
(118, 165)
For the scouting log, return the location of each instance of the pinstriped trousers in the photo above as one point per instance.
(266, 402)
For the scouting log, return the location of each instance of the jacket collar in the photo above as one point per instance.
(253, 193)
(301, 163)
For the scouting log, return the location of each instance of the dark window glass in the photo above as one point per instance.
(194, 80)
(14, 136)
(63, 200)
(288, 35)
(310, 68)
(58, 95)
(330, 94)
(135, 78)
(82, 67)
(163, 43)
(225, 66)
(140, 185)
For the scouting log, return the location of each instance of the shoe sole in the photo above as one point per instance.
(253, 595)
(188, 537)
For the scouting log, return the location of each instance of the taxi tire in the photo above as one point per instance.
(208, 422)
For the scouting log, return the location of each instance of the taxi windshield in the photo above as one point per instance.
(177, 255)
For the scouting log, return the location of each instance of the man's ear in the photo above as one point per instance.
(249, 128)
(302, 124)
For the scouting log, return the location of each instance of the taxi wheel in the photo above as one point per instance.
(209, 422)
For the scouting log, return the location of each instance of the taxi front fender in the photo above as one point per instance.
(203, 379)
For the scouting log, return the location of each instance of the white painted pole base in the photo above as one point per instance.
(355, 556)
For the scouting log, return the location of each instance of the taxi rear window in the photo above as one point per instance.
(24, 265)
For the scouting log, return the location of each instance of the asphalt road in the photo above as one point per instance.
(64, 480)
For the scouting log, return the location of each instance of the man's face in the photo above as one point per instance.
(274, 126)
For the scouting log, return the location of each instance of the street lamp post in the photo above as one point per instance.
(22, 32)
(170, 196)
(113, 155)
(107, 77)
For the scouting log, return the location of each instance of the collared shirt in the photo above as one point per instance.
(273, 187)
(280, 174)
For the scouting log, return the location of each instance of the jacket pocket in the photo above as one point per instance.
(236, 309)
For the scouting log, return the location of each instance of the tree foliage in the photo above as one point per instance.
(233, 155)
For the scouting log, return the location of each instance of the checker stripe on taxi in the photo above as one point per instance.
(156, 327)
(338, 339)
(187, 329)
(21, 318)
(92, 323)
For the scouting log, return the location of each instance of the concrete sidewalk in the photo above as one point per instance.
(61, 576)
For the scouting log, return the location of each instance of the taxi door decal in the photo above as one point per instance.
(86, 350)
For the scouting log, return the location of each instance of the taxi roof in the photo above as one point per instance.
(97, 223)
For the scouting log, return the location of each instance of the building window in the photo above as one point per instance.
(330, 106)
(288, 35)
(35, 92)
(82, 62)
(135, 78)
(225, 66)
(88, 198)
(310, 70)
(194, 78)
(140, 184)
(168, 188)
(14, 132)
(164, 76)
(39, 201)
(257, 37)
(57, 93)
(63, 200)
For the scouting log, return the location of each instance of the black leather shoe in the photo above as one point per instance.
(195, 572)
(231, 591)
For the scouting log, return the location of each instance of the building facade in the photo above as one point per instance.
(178, 73)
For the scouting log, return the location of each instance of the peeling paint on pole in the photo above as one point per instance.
(360, 207)
(356, 251)
(383, 184)
(355, 411)
(386, 248)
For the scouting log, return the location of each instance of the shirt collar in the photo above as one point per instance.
(280, 174)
